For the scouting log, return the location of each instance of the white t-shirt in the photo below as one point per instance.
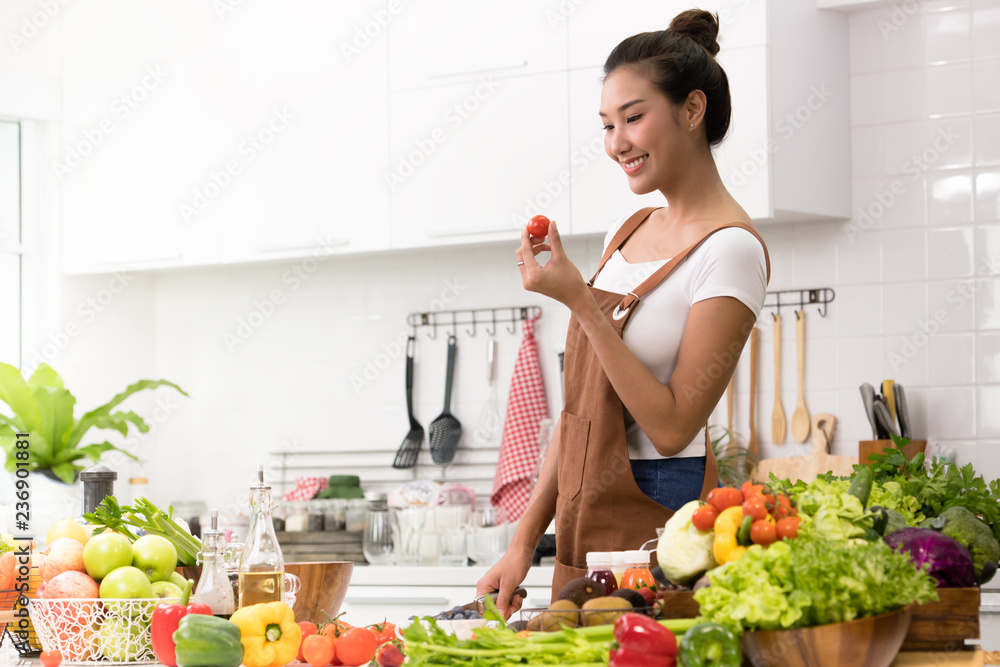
(729, 263)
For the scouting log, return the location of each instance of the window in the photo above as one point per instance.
(10, 243)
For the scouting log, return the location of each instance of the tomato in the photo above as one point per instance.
(384, 632)
(318, 650)
(538, 226)
(356, 646)
(50, 658)
(336, 627)
(783, 507)
(788, 528)
(308, 629)
(725, 496)
(763, 531)
(704, 517)
(756, 507)
(749, 488)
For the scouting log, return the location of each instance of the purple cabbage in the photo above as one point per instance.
(947, 560)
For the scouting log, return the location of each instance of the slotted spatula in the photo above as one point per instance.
(406, 456)
(445, 431)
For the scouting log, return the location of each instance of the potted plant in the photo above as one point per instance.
(43, 408)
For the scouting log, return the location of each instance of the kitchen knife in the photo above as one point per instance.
(884, 418)
(902, 411)
(890, 397)
(480, 606)
(868, 396)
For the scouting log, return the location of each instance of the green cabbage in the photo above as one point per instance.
(684, 552)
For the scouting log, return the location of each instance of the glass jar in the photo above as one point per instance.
(355, 517)
(335, 514)
(314, 514)
(376, 541)
(296, 517)
(599, 571)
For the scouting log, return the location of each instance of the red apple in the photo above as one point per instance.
(64, 554)
(68, 584)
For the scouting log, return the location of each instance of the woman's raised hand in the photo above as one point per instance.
(558, 278)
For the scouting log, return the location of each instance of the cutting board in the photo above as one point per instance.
(819, 460)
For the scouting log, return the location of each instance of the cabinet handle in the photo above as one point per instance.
(444, 233)
(398, 601)
(278, 247)
(139, 260)
(475, 69)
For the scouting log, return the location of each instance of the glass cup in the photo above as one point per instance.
(292, 586)
(489, 536)
(377, 540)
(451, 525)
(407, 525)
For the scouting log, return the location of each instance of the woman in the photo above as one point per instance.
(631, 445)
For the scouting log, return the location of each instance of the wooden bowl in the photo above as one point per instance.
(324, 586)
(873, 642)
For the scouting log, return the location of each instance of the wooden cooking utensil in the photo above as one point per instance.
(752, 440)
(778, 424)
(819, 460)
(800, 418)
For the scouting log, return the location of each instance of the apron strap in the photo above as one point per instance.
(618, 240)
(711, 468)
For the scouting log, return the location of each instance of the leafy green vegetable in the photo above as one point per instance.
(43, 408)
(806, 582)
(144, 515)
(827, 509)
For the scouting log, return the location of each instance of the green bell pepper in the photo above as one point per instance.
(207, 641)
(710, 644)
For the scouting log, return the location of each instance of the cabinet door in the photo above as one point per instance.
(600, 193)
(448, 41)
(473, 161)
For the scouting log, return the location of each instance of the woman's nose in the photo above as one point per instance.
(616, 144)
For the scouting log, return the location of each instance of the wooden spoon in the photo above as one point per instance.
(752, 440)
(778, 424)
(800, 418)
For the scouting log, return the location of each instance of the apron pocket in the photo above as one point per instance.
(573, 435)
(563, 574)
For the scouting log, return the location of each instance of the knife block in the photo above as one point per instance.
(868, 447)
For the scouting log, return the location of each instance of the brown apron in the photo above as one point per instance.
(599, 506)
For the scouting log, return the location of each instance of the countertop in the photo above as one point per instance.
(392, 575)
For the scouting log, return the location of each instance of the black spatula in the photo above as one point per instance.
(406, 456)
(445, 431)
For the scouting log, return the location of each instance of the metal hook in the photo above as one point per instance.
(472, 331)
(513, 318)
(454, 323)
(492, 330)
(433, 332)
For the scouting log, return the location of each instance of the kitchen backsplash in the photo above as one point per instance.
(316, 361)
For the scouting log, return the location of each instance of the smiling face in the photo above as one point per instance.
(644, 133)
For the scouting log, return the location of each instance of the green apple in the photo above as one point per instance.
(126, 582)
(106, 552)
(177, 579)
(167, 590)
(121, 640)
(155, 556)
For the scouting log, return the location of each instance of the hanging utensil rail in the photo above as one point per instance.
(488, 318)
(799, 299)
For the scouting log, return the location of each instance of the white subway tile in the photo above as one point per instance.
(987, 196)
(949, 89)
(950, 252)
(949, 198)
(902, 94)
(902, 42)
(950, 143)
(951, 359)
(867, 210)
(906, 356)
(866, 151)
(951, 413)
(907, 197)
(904, 255)
(987, 303)
(859, 256)
(988, 358)
(902, 146)
(861, 360)
(904, 307)
(989, 412)
(987, 148)
(947, 37)
(859, 309)
(985, 75)
(952, 302)
(987, 249)
(988, 459)
(864, 43)
(866, 99)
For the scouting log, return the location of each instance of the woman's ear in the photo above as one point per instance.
(694, 108)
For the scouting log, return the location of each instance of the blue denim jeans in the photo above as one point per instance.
(670, 482)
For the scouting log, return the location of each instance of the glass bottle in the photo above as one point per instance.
(376, 542)
(214, 588)
(637, 574)
(262, 567)
(599, 571)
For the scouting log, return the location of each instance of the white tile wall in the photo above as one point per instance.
(917, 299)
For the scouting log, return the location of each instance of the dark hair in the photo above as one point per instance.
(679, 60)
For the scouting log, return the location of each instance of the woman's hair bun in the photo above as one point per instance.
(699, 25)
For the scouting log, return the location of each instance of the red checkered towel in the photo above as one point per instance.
(306, 488)
(526, 407)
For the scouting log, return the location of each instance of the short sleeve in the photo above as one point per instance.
(731, 262)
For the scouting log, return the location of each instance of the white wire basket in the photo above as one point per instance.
(89, 631)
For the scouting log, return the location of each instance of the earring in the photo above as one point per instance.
(692, 124)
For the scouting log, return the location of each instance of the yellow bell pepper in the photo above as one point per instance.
(269, 634)
(725, 548)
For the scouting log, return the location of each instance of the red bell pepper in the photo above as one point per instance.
(166, 618)
(642, 641)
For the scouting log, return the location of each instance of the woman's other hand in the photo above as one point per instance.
(558, 278)
(504, 577)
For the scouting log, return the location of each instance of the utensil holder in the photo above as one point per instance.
(868, 447)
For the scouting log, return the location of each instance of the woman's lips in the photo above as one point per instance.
(634, 165)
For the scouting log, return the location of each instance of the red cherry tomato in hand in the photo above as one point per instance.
(704, 517)
(538, 226)
(50, 658)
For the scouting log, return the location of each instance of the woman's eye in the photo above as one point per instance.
(632, 119)
(607, 128)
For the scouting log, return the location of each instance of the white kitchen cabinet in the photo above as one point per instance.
(396, 593)
(472, 161)
(227, 135)
(451, 41)
(787, 154)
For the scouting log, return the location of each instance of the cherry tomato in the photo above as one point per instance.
(763, 531)
(356, 646)
(318, 650)
(749, 488)
(788, 528)
(50, 658)
(538, 226)
(783, 508)
(384, 632)
(335, 628)
(756, 507)
(724, 497)
(308, 629)
(704, 517)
